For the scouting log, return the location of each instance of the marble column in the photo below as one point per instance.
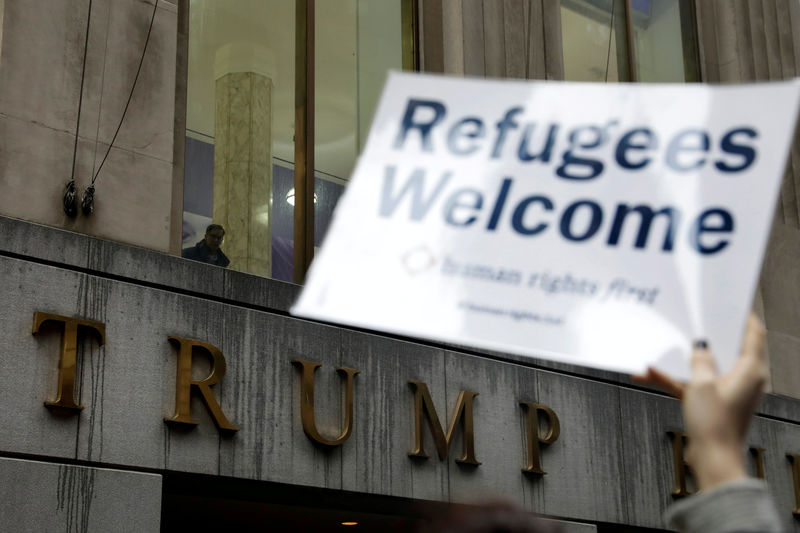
(243, 163)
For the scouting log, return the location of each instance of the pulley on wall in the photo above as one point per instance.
(87, 202)
(70, 199)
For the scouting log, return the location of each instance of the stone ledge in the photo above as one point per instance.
(39, 243)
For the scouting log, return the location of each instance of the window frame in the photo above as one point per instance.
(304, 171)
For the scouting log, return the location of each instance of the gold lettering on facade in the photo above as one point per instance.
(65, 398)
(423, 407)
(185, 384)
(308, 370)
(758, 456)
(794, 459)
(681, 467)
(533, 436)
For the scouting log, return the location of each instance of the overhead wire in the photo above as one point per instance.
(130, 96)
(87, 202)
(70, 198)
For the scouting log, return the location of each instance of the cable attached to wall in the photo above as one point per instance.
(87, 203)
(70, 193)
(70, 199)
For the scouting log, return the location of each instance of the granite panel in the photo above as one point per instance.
(132, 200)
(44, 496)
(515, 26)
(29, 364)
(474, 54)
(585, 467)
(260, 349)
(780, 278)
(777, 439)
(143, 265)
(611, 462)
(647, 454)
(40, 97)
(148, 125)
(453, 37)
(499, 430)
(187, 448)
(140, 264)
(257, 290)
(783, 353)
(131, 388)
(42, 57)
(494, 39)
(41, 242)
(376, 458)
(94, 72)
(36, 164)
(133, 192)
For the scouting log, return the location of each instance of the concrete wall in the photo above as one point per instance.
(44, 496)
(41, 64)
(612, 462)
(488, 38)
(759, 40)
(740, 41)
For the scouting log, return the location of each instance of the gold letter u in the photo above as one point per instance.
(307, 402)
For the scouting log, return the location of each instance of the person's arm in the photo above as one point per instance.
(717, 411)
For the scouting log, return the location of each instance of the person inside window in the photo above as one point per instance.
(208, 250)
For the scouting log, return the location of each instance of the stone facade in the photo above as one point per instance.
(760, 41)
(45, 496)
(40, 91)
(612, 462)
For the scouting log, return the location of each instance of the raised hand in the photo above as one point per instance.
(718, 409)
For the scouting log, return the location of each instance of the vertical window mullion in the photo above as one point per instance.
(631, 46)
(304, 139)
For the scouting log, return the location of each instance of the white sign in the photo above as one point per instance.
(605, 225)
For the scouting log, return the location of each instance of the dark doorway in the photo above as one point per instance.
(198, 503)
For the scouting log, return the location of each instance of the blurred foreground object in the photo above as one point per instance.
(717, 410)
(593, 224)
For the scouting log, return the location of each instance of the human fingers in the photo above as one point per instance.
(751, 369)
(704, 368)
(753, 342)
(662, 381)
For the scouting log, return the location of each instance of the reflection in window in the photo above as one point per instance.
(665, 49)
(595, 40)
(239, 166)
(239, 125)
(597, 45)
(358, 42)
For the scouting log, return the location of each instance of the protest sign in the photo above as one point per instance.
(604, 225)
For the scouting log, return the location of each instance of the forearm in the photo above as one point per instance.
(715, 464)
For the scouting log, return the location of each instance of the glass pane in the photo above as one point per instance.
(239, 134)
(594, 40)
(357, 42)
(663, 35)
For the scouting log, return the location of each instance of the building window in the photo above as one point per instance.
(240, 116)
(629, 40)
